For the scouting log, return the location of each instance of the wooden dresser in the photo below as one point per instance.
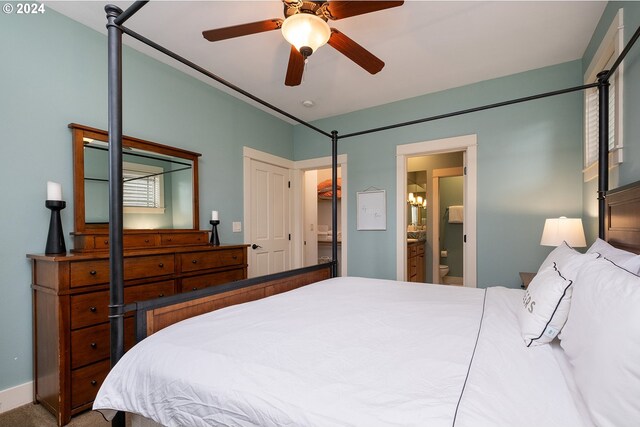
(415, 262)
(70, 299)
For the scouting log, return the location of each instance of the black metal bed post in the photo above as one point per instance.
(334, 202)
(603, 148)
(116, 263)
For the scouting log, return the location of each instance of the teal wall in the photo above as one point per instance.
(529, 166)
(629, 170)
(53, 73)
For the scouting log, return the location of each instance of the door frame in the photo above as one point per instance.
(249, 154)
(296, 201)
(468, 144)
(299, 167)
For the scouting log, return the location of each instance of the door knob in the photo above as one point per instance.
(254, 246)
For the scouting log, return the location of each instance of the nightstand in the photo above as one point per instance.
(526, 279)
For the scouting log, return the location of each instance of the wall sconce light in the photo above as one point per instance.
(417, 201)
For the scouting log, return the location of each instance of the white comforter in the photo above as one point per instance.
(347, 352)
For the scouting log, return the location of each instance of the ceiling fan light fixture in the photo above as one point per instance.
(305, 30)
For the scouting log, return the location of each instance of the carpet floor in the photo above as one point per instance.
(36, 416)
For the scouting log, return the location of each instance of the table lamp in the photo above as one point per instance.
(563, 229)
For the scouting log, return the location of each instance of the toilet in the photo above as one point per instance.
(444, 270)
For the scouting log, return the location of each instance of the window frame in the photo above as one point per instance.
(610, 48)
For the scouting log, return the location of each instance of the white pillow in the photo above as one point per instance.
(545, 307)
(567, 260)
(601, 339)
(624, 259)
(546, 301)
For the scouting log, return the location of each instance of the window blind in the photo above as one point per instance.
(592, 122)
(140, 190)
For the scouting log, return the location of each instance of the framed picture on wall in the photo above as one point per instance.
(372, 210)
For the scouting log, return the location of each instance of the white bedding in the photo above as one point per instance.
(347, 352)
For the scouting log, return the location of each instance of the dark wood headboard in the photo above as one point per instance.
(622, 223)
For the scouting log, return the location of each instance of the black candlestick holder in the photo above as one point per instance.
(215, 240)
(55, 239)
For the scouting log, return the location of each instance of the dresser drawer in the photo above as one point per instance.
(92, 308)
(90, 345)
(211, 259)
(206, 280)
(128, 240)
(183, 239)
(86, 381)
(84, 273)
(420, 249)
(148, 266)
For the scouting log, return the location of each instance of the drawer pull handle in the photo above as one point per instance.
(169, 239)
(94, 382)
(106, 242)
(160, 296)
(235, 257)
(194, 289)
(195, 261)
(161, 265)
(92, 309)
(146, 240)
(93, 272)
(93, 345)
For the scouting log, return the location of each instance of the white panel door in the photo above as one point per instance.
(269, 219)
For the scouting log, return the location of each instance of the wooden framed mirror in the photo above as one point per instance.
(160, 191)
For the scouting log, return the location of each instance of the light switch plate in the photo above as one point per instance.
(237, 226)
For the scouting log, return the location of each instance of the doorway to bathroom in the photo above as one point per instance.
(436, 211)
(435, 191)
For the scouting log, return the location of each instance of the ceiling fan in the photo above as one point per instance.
(305, 27)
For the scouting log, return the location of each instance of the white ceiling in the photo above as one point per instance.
(427, 46)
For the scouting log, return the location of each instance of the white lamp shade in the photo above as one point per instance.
(305, 29)
(563, 229)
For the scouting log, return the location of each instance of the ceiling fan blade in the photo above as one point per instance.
(242, 30)
(295, 68)
(345, 9)
(355, 52)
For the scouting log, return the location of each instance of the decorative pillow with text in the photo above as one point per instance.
(545, 307)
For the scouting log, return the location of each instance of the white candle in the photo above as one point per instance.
(214, 215)
(54, 191)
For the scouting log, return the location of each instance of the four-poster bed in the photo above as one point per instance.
(155, 315)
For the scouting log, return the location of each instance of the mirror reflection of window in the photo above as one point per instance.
(142, 188)
(157, 189)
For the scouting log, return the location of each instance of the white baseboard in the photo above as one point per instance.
(16, 396)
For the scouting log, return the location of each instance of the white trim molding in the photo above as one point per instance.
(468, 144)
(14, 397)
(608, 51)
